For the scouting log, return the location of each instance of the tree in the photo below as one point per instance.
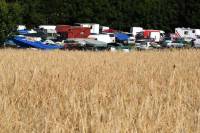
(10, 14)
(3, 21)
(119, 14)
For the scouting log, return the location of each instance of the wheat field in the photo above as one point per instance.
(99, 92)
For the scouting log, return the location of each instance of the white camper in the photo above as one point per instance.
(112, 37)
(136, 30)
(107, 38)
(187, 33)
(95, 28)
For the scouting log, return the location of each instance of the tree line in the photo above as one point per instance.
(118, 14)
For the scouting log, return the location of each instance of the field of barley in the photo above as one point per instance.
(102, 92)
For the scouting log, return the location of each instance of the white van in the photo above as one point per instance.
(102, 37)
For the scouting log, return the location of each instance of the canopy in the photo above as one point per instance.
(121, 37)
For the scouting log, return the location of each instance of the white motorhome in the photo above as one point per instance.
(136, 30)
(107, 38)
(95, 28)
(187, 33)
(112, 37)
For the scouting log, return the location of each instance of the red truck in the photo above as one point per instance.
(154, 34)
(67, 31)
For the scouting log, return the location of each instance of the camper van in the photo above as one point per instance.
(187, 33)
(107, 38)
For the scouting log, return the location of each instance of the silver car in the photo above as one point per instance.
(143, 44)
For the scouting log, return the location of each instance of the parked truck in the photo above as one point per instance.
(156, 35)
(67, 31)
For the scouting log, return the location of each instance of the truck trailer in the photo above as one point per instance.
(67, 31)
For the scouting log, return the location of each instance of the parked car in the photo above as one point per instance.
(166, 41)
(143, 44)
(178, 43)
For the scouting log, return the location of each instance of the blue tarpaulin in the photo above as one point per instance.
(23, 32)
(121, 36)
(21, 41)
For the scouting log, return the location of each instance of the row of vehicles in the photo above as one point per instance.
(183, 37)
(96, 37)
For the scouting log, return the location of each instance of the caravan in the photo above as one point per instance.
(107, 38)
(187, 33)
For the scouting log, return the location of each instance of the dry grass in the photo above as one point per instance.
(59, 91)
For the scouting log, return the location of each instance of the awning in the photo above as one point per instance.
(121, 37)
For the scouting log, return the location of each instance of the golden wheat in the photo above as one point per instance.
(103, 92)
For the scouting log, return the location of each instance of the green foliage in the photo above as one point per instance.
(3, 21)
(10, 15)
